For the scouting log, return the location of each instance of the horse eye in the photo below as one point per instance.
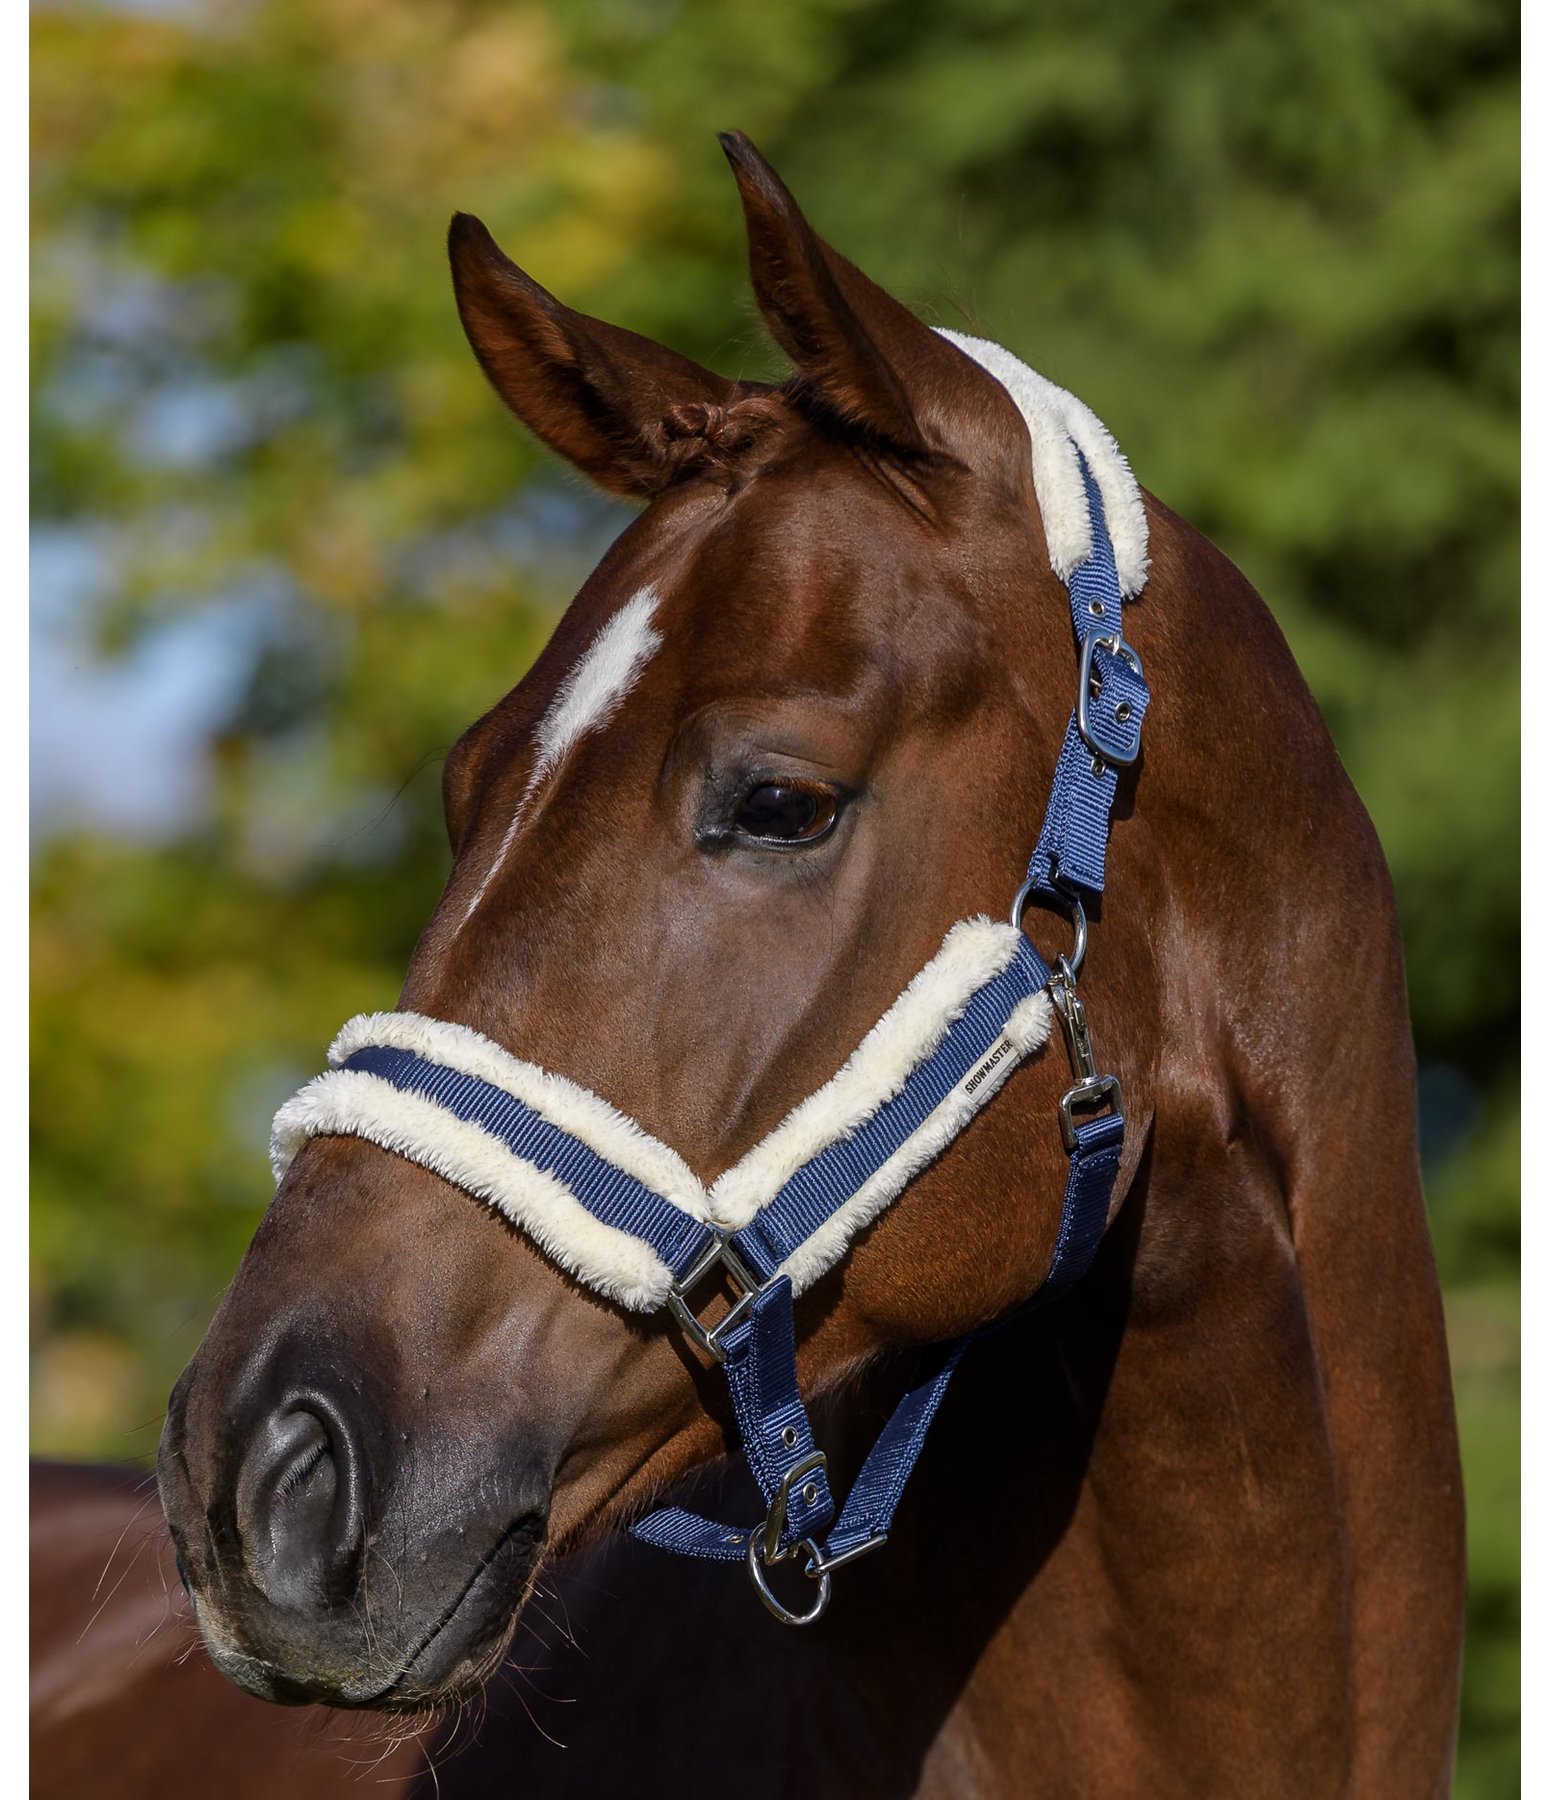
(785, 813)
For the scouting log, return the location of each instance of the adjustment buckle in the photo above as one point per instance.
(764, 1550)
(718, 1253)
(775, 1519)
(1113, 740)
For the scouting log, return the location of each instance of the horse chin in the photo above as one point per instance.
(467, 1645)
(455, 1653)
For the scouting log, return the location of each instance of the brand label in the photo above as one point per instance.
(999, 1054)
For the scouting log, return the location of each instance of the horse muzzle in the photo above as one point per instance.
(329, 1556)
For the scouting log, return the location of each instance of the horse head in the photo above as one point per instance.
(798, 722)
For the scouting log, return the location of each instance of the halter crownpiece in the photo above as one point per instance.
(624, 1214)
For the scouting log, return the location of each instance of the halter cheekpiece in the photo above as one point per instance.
(624, 1214)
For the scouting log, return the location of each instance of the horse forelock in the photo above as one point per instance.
(698, 437)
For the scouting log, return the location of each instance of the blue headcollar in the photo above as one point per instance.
(623, 1213)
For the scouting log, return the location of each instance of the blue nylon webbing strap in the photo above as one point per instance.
(606, 1192)
(1085, 1209)
(823, 1184)
(1074, 838)
(761, 1372)
(869, 1509)
(874, 1497)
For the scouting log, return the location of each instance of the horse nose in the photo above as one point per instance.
(301, 1501)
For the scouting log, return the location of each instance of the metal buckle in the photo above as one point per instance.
(1117, 754)
(718, 1252)
(775, 1518)
(1091, 1088)
(764, 1550)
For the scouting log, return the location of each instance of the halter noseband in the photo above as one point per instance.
(624, 1214)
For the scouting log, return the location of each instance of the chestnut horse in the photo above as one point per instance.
(1193, 1529)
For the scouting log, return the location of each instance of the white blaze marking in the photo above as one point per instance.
(587, 699)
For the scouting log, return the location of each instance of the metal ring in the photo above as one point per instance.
(756, 1567)
(1067, 898)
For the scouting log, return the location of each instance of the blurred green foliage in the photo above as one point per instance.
(1274, 245)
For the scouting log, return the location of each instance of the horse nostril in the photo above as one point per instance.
(301, 1503)
(307, 1484)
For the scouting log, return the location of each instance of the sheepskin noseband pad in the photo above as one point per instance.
(625, 1214)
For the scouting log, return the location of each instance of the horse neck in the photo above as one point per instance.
(1095, 1499)
(1113, 1482)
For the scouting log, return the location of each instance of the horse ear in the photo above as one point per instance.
(865, 357)
(596, 394)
